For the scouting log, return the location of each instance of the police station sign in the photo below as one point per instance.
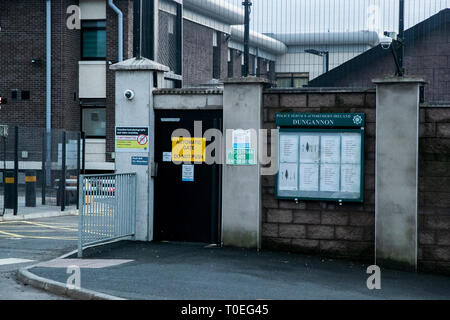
(320, 120)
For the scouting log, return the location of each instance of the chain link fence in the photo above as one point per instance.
(305, 43)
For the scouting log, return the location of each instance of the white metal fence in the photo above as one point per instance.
(107, 208)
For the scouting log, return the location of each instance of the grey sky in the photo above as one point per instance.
(286, 16)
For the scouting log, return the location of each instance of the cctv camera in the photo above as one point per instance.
(385, 42)
(129, 94)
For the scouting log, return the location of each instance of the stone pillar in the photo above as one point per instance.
(241, 184)
(396, 187)
(138, 76)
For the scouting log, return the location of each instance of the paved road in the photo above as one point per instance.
(26, 242)
(193, 271)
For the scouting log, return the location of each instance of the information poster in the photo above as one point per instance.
(309, 149)
(288, 176)
(187, 174)
(320, 164)
(330, 149)
(309, 177)
(289, 148)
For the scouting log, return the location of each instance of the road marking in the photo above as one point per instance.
(13, 235)
(48, 226)
(13, 261)
(83, 263)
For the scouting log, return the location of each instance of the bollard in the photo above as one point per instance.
(30, 188)
(10, 190)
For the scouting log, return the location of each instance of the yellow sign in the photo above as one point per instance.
(9, 180)
(188, 149)
(30, 178)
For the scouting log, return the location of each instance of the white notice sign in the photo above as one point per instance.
(329, 177)
(309, 177)
(309, 149)
(350, 178)
(351, 149)
(288, 148)
(287, 177)
(167, 156)
(188, 173)
(330, 149)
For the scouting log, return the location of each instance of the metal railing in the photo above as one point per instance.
(107, 208)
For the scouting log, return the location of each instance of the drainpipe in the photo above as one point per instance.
(120, 29)
(48, 108)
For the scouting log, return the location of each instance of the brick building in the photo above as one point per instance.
(82, 86)
(427, 54)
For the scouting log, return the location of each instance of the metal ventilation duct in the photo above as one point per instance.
(258, 40)
(217, 9)
(328, 38)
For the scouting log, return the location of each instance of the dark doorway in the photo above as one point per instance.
(187, 199)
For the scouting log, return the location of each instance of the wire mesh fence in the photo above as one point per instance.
(33, 167)
(320, 43)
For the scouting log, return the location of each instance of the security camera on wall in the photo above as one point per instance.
(129, 94)
(387, 39)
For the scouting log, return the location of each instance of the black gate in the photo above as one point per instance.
(187, 197)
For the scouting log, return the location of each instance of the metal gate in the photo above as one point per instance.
(107, 208)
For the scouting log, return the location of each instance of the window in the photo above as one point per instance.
(14, 94)
(94, 122)
(25, 95)
(292, 80)
(216, 57)
(171, 24)
(93, 40)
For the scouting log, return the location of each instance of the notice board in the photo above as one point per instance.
(320, 157)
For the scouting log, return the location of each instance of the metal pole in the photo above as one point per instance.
(78, 166)
(327, 61)
(16, 169)
(401, 34)
(83, 165)
(43, 175)
(247, 4)
(62, 186)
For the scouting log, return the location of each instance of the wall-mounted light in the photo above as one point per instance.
(35, 61)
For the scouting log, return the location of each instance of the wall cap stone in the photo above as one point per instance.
(320, 90)
(389, 80)
(142, 64)
(246, 80)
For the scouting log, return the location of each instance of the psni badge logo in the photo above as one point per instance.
(357, 120)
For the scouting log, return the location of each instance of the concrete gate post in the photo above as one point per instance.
(396, 184)
(137, 75)
(241, 184)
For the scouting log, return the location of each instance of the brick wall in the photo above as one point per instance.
(347, 231)
(320, 227)
(434, 190)
(427, 57)
(197, 53)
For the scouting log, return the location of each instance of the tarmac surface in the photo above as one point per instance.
(26, 242)
(137, 270)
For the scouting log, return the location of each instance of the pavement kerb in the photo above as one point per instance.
(58, 288)
(39, 215)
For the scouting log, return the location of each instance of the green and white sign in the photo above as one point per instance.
(321, 157)
(241, 157)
